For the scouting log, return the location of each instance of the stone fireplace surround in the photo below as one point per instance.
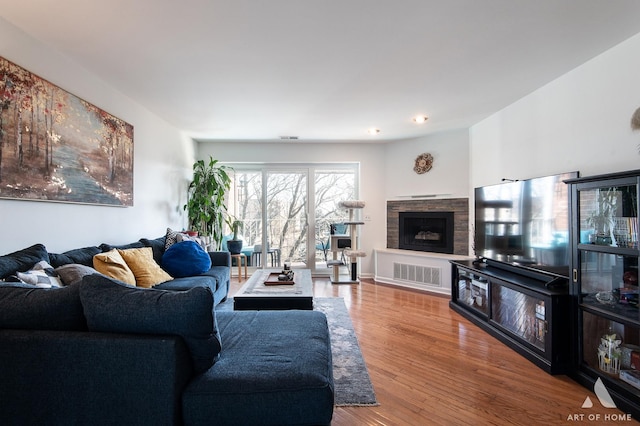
(459, 206)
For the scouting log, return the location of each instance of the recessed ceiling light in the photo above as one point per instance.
(420, 119)
(373, 131)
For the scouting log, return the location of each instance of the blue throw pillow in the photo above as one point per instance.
(113, 307)
(186, 259)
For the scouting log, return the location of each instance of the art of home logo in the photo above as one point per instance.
(606, 401)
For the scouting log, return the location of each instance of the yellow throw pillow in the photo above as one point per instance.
(145, 269)
(113, 265)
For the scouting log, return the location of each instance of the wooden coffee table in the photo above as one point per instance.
(255, 295)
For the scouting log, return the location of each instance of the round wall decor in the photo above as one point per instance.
(423, 164)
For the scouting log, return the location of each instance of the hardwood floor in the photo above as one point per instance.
(431, 366)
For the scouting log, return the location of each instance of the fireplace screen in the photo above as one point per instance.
(426, 231)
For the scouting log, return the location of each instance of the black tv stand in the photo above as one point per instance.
(525, 309)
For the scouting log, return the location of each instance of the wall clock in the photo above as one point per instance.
(423, 164)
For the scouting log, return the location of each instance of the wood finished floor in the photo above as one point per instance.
(431, 366)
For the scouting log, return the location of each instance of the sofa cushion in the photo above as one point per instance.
(185, 259)
(23, 306)
(40, 275)
(113, 265)
(157, 245)
(108, 247)
(278, 363)
(146, 271)
(73, 272)
(110, 306)
(82, 256)
(22, 260)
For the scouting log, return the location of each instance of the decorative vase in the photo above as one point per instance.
(609, 352)
(234, 246)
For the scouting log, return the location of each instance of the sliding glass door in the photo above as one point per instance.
(286, 211)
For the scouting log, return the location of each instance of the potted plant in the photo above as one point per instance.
(235, 244)
(206, 208)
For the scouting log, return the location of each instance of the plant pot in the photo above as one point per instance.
(234, 246)
(192, 233)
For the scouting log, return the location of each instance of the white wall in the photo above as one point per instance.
(162, 165)
(578, 122)
(449, 174)
(372, 179)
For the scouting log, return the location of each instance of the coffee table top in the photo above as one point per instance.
(255, 287)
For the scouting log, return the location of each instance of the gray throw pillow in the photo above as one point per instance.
(110, 306)
(74, 272)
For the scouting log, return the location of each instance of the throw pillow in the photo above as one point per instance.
(171, 238)
(28, 308)
(113, 307)
(113, 265)
(186, 259)
(73, 272)
(146, 271)
(22, 260)
(40, 275)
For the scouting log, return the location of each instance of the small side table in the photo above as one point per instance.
(239, 260)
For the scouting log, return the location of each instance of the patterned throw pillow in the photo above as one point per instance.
(170, 238)
(41, 275)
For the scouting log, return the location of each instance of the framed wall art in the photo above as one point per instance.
(55, 146)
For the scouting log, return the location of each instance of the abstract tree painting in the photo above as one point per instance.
(55, 146)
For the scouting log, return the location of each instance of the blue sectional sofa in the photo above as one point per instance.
(97, 351)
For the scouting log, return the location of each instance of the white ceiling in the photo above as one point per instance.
(325, 70)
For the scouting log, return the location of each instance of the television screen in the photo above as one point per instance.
(525, 223)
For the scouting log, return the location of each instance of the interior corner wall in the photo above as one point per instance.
(578, 122)
(162, 165)
(370, 156)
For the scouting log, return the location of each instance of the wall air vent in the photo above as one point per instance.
(416, 274)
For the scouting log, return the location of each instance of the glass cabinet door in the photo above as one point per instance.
(609, 282)
(473, 291)
(609, 216)
(521, 314)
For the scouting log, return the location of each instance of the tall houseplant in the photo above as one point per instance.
(206, 208)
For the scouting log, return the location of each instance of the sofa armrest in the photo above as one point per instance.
(220, 258)
(51, 377)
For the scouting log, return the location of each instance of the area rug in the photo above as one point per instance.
(353, 385)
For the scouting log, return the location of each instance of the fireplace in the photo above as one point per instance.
(426, 231)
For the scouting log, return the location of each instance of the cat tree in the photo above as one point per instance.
(351, 252)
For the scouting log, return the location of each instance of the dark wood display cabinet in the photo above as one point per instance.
(528, 311)
(604, 285)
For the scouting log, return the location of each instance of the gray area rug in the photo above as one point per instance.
(353, 385)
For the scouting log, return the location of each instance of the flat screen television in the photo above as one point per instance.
(525, 223)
